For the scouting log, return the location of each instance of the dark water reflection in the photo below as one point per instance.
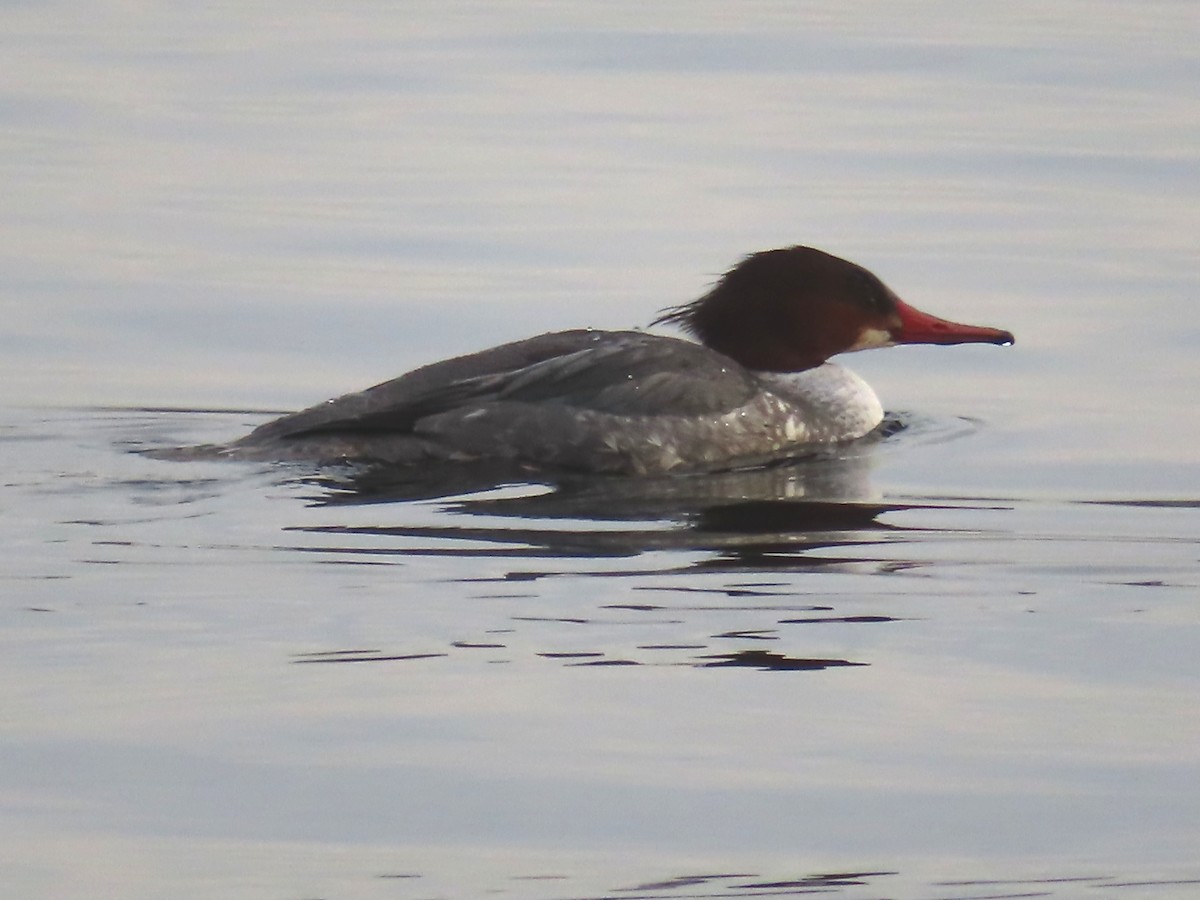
(850, 884)
(730, 513)
(740, 885)
(774, 519)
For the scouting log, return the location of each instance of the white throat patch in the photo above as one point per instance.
(871, 338)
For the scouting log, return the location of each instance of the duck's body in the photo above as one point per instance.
(757, 387)
(603, 401)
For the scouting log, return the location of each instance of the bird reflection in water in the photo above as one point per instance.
(816, 513)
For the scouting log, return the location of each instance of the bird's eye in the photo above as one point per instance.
(870, 292)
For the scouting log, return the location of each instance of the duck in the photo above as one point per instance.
(753, 385)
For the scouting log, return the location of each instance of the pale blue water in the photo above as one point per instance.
(960, 662)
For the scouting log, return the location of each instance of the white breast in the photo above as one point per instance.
(833, 402)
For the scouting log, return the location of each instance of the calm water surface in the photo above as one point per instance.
(962, 660)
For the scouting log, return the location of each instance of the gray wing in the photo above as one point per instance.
(620, 373)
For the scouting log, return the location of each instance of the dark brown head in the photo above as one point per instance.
(791, 309)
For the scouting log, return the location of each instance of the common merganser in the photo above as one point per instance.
(756, 387)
